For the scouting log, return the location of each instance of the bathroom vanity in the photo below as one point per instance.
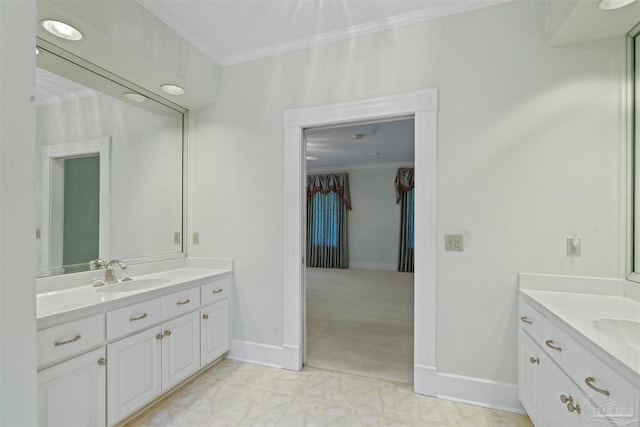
(105, 352)
(579, 351)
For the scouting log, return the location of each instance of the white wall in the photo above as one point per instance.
(529, 152)
(374, 221)
(17, 224)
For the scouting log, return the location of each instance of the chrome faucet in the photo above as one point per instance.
(109, 275)
(97, 263)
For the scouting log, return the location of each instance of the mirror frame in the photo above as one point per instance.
(631, 131)
(184, 227)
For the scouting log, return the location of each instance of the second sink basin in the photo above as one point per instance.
(624, 331)
(132, 285)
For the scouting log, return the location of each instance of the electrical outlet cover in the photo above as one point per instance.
(453, 242)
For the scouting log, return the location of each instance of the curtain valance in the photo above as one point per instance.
(336, 182)
(404, 182)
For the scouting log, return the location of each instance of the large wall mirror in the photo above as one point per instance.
(633, 43)
(109, 162)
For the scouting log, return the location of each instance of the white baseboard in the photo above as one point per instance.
(253, 352)
(479, 392)
(384, 266)
(425, 380)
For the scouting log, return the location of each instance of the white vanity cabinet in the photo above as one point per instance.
(215, 328)
(72, 393)
(561, 383)
(97, 369)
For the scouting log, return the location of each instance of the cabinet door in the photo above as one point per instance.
(214, 331)
(180, 349)
(73, 393)
(529, 377)
(562, 400)
(133, 373)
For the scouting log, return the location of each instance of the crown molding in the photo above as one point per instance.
(452, 8)
(357, 168)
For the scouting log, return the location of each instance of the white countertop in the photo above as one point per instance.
(579, 310)
(81, 298)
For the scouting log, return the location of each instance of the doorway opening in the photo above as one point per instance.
(359, 259)
(423, 106)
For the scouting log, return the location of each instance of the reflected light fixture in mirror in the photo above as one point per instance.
(136, 97)
(62, 30)
(613, 4)
(173, 89)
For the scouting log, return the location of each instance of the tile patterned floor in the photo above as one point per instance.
(233, 393)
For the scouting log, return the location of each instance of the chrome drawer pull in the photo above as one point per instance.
(217, 291)
(102, 361)
(590, 380)
(74, 339)
(525, 319)
(205, 316)
(159, 336)
(133, 319)
(186, 301)
(534, 360)
(550, 344)
(565, 399)
(573, 408)
(167, 333)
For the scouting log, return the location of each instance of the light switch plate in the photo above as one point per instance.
(574, 246)
(453, 242)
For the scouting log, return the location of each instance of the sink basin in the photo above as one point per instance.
(132, 285)
(624, 331)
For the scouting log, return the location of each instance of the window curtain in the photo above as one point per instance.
(328, 200)
(404, 196)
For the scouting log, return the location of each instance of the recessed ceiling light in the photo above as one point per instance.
(173, 89)
(312, 158)
(613, 4)
(62, 30)
(135, 96)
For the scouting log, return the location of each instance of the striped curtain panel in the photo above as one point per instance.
(328, 200)
(404, 196)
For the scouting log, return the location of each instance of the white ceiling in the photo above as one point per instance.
(383, 144)
(231, 31)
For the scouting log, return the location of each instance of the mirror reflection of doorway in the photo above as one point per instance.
(81, 223)
(359, 316)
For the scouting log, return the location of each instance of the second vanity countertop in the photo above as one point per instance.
(68, 304)
(579, 311)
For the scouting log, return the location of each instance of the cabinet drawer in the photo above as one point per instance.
(70, 338)
(609, 392)
(129, 319)
(558, 345)
(180, 302)
(216, 291)
(530, 320)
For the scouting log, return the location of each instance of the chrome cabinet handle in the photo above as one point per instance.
(590, 380)
(74, 339)
(534, 360)
(167, 333)
(133, 319)
(217, 291)
(551, 345)
(565, 399)
(159, 336)
(205, 316)
(525, 319)
(102, 361)
(186, 301)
